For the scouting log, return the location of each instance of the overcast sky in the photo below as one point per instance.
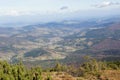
(52, 7)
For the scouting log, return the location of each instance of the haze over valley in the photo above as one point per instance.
(59, 39)
(65, 40)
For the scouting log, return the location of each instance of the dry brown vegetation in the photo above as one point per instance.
(110, 75)
(58, 76)
(105, 75)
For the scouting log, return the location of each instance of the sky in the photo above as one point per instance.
(64, 8)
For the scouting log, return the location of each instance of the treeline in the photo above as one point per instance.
(20, 72)
(90, 67)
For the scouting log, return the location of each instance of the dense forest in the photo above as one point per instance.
(90, 70)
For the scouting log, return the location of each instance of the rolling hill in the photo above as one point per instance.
(64, 41)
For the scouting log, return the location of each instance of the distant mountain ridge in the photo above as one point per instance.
(66, 40)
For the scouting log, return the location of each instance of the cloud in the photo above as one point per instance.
(13, 12)
(106, 4)
(64, 8)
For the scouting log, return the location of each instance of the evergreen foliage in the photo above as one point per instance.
(20, 72)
